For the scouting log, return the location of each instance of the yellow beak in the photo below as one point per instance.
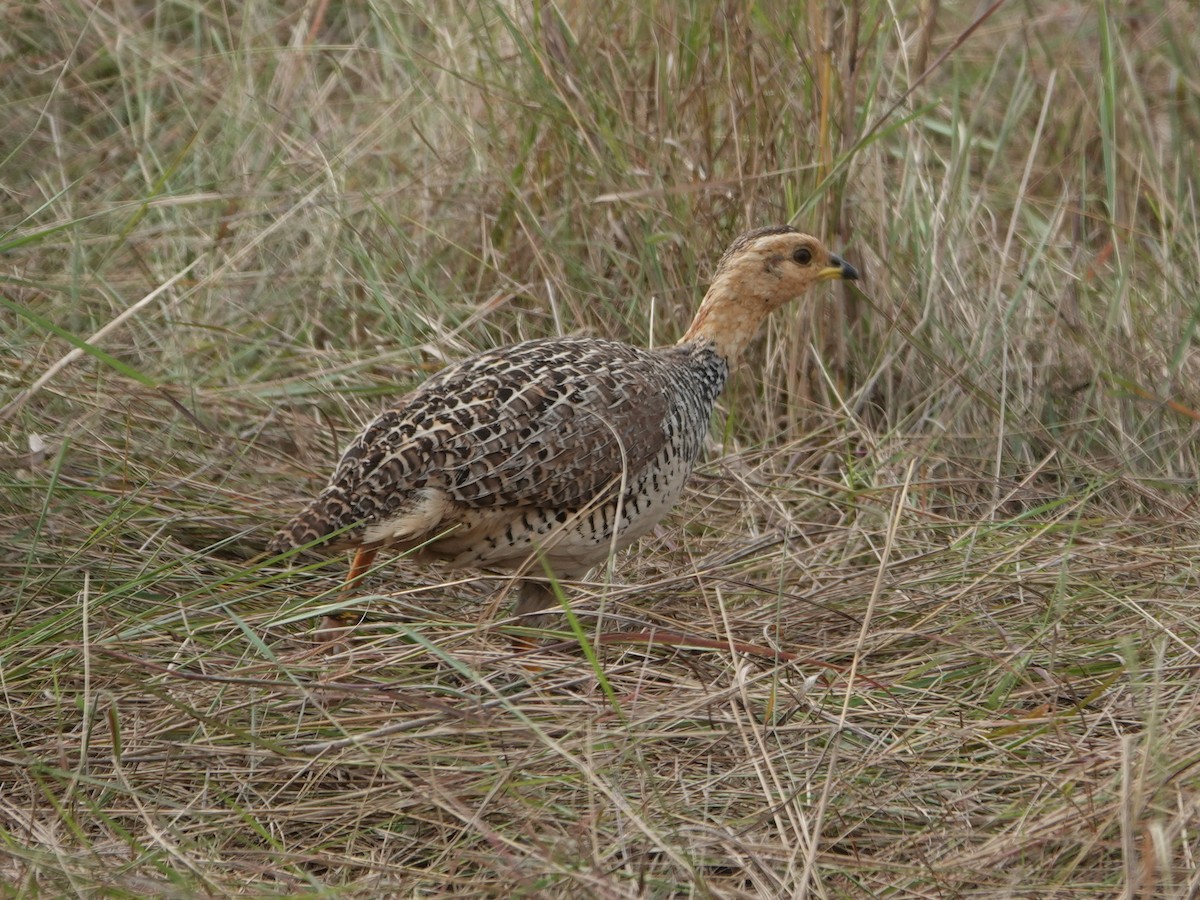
(838, 268)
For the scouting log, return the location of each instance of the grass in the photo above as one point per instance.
(960, 494)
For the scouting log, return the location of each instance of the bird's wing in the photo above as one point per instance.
(549, 424)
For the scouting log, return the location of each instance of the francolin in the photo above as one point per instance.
(553, 453)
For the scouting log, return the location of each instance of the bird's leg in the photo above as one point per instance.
(532, 597)
(359, 566)
(337, 625)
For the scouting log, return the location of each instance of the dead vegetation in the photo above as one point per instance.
(958, 503)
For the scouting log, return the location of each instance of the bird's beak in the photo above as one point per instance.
(838, 268)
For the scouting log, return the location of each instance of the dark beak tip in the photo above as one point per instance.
(848, 272)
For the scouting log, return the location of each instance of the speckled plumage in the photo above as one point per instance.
(508, 445)
(565, 449)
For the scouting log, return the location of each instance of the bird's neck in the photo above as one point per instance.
(728, 318)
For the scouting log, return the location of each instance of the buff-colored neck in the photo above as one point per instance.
(729, 317)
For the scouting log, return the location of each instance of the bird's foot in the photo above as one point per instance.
(335, 630)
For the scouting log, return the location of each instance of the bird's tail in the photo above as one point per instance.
(325, 518)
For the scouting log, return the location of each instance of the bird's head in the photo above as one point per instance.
(760, 272)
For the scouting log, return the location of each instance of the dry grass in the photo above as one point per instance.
(962, 495)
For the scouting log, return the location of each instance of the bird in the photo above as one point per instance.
(552, 453)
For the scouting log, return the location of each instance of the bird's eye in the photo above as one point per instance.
(802, 255)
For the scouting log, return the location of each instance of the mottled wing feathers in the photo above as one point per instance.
(547, 424)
